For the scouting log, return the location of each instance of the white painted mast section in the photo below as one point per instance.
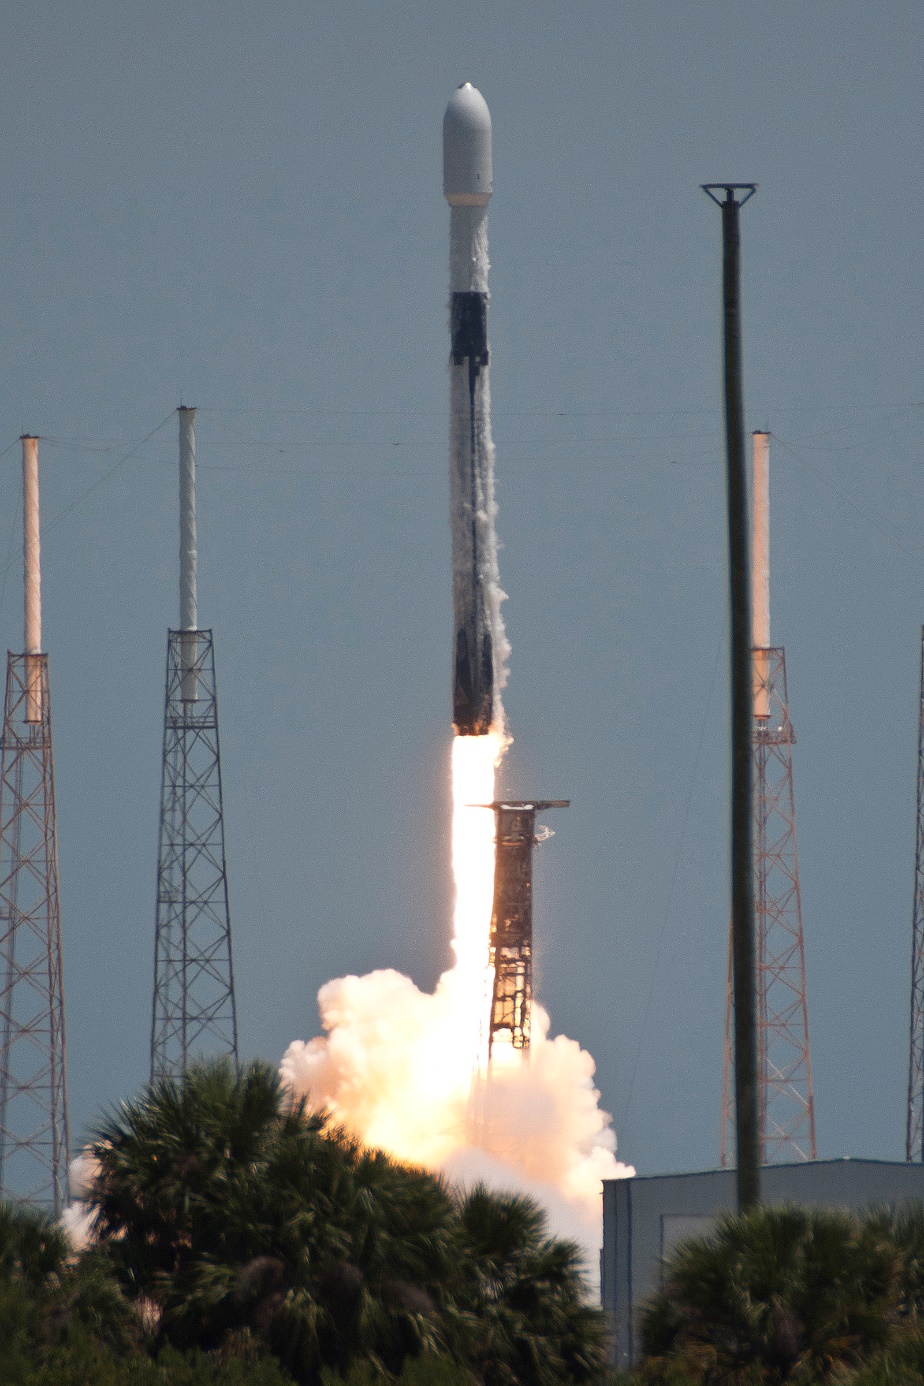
(32, 572)
(760, 588)
(189, 613)
(189, 610)
(31, 546)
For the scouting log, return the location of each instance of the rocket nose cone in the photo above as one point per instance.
(468, 176)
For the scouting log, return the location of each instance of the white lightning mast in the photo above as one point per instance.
(32, 573)
(34, 1147)
(760, 589)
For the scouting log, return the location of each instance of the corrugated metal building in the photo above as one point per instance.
(645, 1217)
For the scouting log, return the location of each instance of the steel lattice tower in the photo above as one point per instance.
(194, 1007)
(914, 1134)
(785, 1099)
(511, 940)
(34, 1143)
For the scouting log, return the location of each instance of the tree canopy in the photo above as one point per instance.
(224, 1207)
(792, 1295)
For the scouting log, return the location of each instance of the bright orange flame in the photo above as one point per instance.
(474, 763)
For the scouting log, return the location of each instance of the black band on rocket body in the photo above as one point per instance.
(470, 328)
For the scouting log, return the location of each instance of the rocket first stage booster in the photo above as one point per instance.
(479, 642)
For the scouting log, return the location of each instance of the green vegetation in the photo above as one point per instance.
(791, 1295)
(243, 1239)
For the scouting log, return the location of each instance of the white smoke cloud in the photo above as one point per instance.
(406, 1070)
(77, 1219)
(391, 1068)
(77, 1225)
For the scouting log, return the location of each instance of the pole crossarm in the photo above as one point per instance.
(729, 189)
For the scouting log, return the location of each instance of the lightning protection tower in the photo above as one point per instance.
(786, 1103)
(511, 940)
(33, 1087)
(194, 1007)
(914, 1132)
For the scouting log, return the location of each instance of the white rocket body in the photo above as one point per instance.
(480, 647)
(468, 174)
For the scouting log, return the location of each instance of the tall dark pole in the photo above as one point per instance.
(744, 978)
(914, 1140)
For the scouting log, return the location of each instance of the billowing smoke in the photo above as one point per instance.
(77, 1218)
(406, 1070)
(392, 1068)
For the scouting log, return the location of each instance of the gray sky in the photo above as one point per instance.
(240, 206)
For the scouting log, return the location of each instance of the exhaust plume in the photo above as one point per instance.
(406, 1070)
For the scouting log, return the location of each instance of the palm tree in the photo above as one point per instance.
(523, 1310)
(904, 1228)
(779, 1294)
(225, 1204)
(33, 1248)
(49, 1297)
(900, 1365)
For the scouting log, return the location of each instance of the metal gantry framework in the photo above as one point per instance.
(194, 1007)
(511, 940)
(33, 1089)
(786, 1104)
(914, 1133)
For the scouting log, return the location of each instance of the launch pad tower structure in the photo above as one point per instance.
(786, 1102)
(511, 939)
(34, 1145)
(194, 1009)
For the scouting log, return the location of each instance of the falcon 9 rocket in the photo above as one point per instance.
(479, 642)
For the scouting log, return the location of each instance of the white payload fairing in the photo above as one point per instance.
(479, 644)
